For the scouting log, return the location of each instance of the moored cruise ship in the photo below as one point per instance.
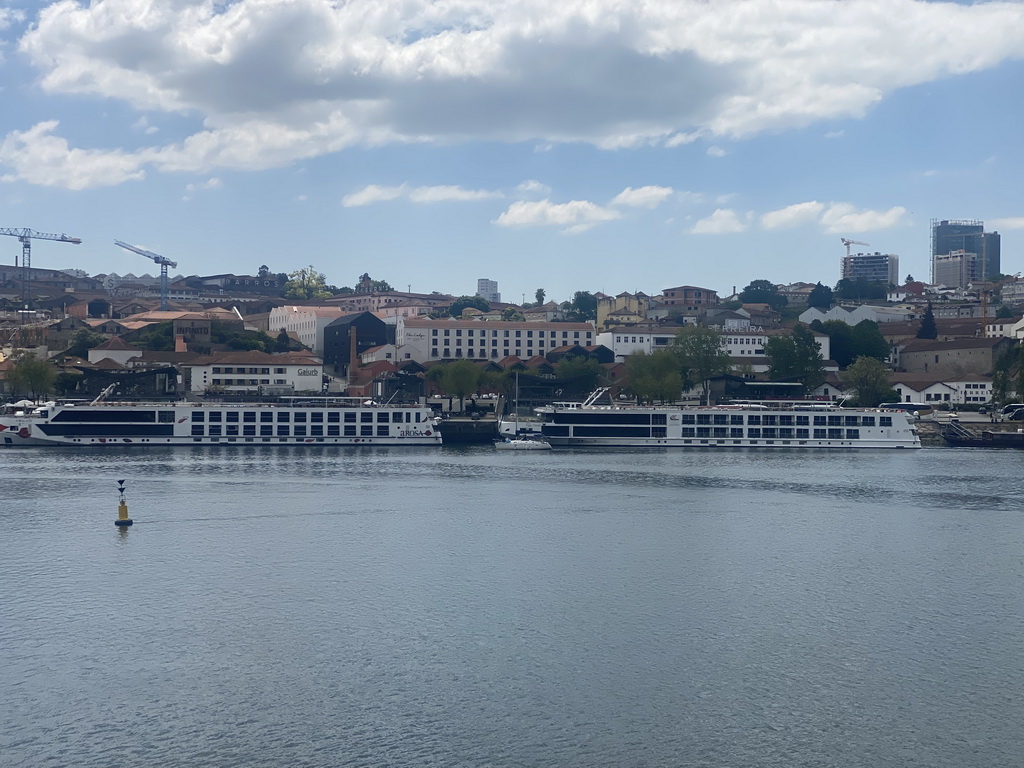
(316, 421)
(812, 425)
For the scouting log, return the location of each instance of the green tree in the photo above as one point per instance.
(264, 271)
(459, 379)
(655, 376)
(841, 344)
(512, 315)
(860, 289)
(796, 357)
(820, 297)
(582, 308)
(1001, 373)
(158, 338)
(763, 292)
(701, 355)
(306, 284)
(82, 340)
(1004, 312)
(869, 378)
(910, 279)
(31, 376)
(539, 296)
(868, 341)
(464, 302)
(584, 371)
(282, 342)
(928, 329)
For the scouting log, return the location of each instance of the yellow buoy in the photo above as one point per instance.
(122, 507)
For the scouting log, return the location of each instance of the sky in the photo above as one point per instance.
(595, 145)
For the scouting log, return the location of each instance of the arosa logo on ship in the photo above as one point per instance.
(308, 372)
(415, 433)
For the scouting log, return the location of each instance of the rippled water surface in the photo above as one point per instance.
(467, 607)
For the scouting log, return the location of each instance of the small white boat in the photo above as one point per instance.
(522, 444)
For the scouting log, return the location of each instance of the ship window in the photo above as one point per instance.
(249, 429)
(365, 416)
(835, 421)
(231, 416)
(867, 421)
(853, 434)
(266, 429)
(300, 417)
(366, 430)
(197, 429)
(736, 432)
(659, 432)
(317, 430)
(382, 430)
(803, 420)
(165, 417)
(658, 418)
(720, 432)
(333, 417)
(802, 434)
(383, 417)
(703, 431)
(689, 418)
(317, 416)
(819, 434)
(266, 416)
(689, 432)
(232, 429)
(282, 430)
(703, 418)
(885, 421)
(283, 416)
(851, 421)
(769, 433)
(214, 429)
(819, 421)
(249, 417)
(721, 418)
(198, 416)
(835, 434)
(770, 421)
(753, 419)
(754, 433)
(300, 430)
(350, 417)
(350, 430)
(215, 415)
(333, 430)
(736, 419)
(786, 433)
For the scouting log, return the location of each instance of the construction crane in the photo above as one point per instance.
(164, 263)
(27, 236)
(848, 243)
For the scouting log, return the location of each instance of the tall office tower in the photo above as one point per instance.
(957, 269)
(488, 290)
(874, 267)
(970, 236)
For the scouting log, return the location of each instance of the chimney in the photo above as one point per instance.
(353, 354)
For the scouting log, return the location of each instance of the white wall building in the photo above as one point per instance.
(428, 339)
(852, 316)
(307, 323)
(488, 290)
(741, 344)
(255, 372)
(956, 269)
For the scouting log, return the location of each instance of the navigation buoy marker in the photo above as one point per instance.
(122, 508)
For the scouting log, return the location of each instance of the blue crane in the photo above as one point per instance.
(164, 263)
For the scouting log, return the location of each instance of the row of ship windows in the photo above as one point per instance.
(247, 382)
(313, 417)
(752, 433)
(289, 430)
(507, 334)
(260, 371)
(774, 420)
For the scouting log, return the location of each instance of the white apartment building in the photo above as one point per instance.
(428, 339)
(488, 290)
(956, 269)
(740, 344)
(307, 323)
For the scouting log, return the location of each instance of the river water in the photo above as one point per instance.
(468, 607)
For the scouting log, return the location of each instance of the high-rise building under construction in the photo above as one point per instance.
(969, 236)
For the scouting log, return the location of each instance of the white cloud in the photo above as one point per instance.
(792, 215)
(724, 221)
(275, 81)
(835, 134)
(38, 157)
(844, 218)
(142, 124)
(575, 216)
(439, 194)
(533, 187)
(1013, 222)
(442, 194)
(715, 151)
(642, 197)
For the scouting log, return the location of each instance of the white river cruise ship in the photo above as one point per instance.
(805, 424)
(312, 421)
